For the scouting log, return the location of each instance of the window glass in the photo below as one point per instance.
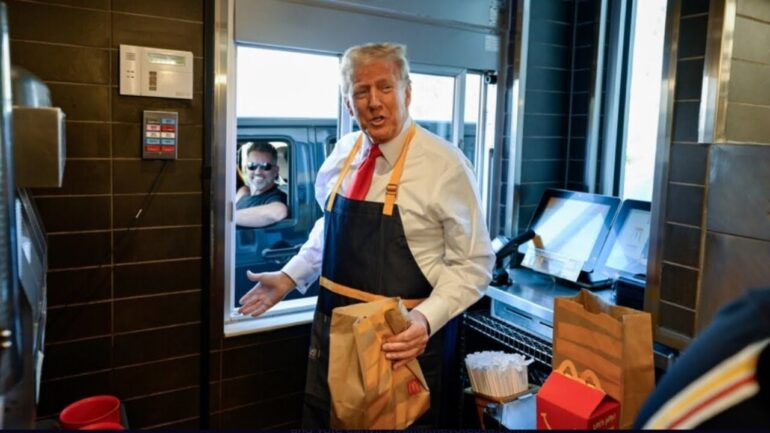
(641, 139)
(287, 103)
(432, 102)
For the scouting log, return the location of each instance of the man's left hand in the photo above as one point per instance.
(410, 343)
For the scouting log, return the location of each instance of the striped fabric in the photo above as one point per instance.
(729, 383)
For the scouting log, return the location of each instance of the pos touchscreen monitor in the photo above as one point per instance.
(570, 229)
(628, 243)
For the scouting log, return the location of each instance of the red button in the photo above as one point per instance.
(168, 128)
(152, 148)
(169, 148)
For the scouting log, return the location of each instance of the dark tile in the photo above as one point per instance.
(550, 32)
(81, 102)
(215, 421)
(585, 10)
(266, 414)
(686, 121)
(543, 148)
(215, 365)
(580, 103)
(676, 319)
(156, 311)
(80, 249)
(156, 377)
(525, 216)
(138, 176)
(215, 396)
(577, 171)
(692, 36)
(88, 140)
(77, 357)
(273, 355)
(582, 79)
(62, 25)
(750, 82)
(162, 408)
(576, 186)
(584, 35)
(265, 385)
(179, 9)
(679, 285)
(544, 125)
(690, 7)
(55, 395)
(685, 204)
(86, 65)
(157, 244)
(154, 278)
(688, 163)
(163, 210)
(530, 193)
(578, 127)
(76, 322)
(74, 213)
(184, 425)
(689, 76)
(126, 141)
(547, 79)
(553, 10)
(89, 4)
(577, 148)
(542, 171)
(146, 31)
(81, 177)
(549, 56)
(130, 108)
(682, 245)
(540, 102)
(156, 344)
(584, 60)
(78, 285)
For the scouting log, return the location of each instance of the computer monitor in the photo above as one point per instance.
(628, 243)
(570, 229)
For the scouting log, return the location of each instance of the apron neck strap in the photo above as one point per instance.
(391, 191)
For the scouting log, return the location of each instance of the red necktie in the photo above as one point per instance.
(364, 175)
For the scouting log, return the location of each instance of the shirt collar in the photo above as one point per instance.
(392, 149)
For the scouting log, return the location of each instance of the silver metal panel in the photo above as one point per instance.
(518, 102)
(660, 184)
(478, 12)
(716, 72)
(223, 146)
(750, 83)
(306, 24)
(739, 191)
(732, 264)
(612, 98)
(746, 123)
(595, 104)
(759, 9)
(752, 38)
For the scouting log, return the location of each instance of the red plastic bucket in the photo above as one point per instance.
(91, 410)
(103, 426)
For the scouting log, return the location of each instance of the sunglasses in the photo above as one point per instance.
(265, 166)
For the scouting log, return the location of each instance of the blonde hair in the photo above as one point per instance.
(362, 54)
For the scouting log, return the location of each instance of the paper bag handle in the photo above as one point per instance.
(587, 377)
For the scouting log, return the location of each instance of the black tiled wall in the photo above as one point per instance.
(124, 305)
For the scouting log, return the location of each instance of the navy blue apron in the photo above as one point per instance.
(366, 249)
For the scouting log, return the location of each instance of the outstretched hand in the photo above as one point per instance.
(410, 343)
(271, 287)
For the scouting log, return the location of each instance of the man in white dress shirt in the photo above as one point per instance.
(402, 218)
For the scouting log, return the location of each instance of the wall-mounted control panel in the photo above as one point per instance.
(146, 71)
(160, 134)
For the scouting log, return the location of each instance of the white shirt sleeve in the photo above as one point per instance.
(305, 267)
(468, 256)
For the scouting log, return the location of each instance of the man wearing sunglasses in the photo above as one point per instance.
(260, 202)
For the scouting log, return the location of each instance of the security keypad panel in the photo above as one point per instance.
(160, 132)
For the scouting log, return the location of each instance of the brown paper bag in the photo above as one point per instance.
(366, 393)
(615, 342)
